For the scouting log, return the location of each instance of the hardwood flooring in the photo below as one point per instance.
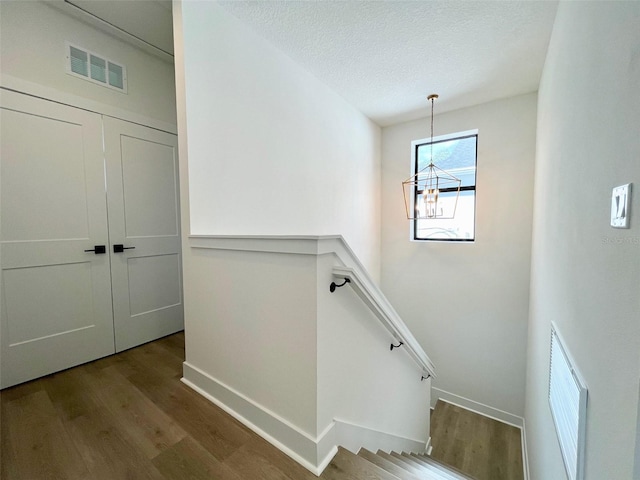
(128, 416)
(476, 445)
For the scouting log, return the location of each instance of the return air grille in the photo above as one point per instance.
(95, 68)
(568, 403)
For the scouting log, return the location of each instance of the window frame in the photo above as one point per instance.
(415, 144)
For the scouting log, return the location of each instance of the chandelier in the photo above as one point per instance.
(422, 191)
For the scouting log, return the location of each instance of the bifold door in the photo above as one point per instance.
(56, 283)
(89, 230)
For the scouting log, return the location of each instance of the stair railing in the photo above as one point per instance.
(378, 304)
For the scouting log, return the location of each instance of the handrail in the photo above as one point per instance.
(355, 272)
(375, 300)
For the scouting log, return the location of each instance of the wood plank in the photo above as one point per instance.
(254, 466)
(399, 462)
(505, 455)
(483, 448)
(149, 357)
(41, 446)
(69, 393)
(8, 465)
(387, 465)
(218, 432)
(444, 432)
(174, 344)
(410, 462)
(108, 452)
(259, 455)
(427, 460)
(21, 390)
(151, 428)
(429, 469)
(187, 459)
(106, 412)
(347, 465)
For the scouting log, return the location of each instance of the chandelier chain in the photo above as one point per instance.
(432, 100)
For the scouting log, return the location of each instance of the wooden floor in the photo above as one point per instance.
(479, 446)
(129, 417)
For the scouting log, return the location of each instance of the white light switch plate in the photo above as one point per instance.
(620, 206)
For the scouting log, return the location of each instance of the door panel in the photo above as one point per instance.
(149, 188)
(142, 179)
(148, 295)
(56, 298)
(59, 209)
(64, 299)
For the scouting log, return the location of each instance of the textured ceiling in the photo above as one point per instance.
(385, 57)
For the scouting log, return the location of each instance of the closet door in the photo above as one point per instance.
(55, 284)
(142, 180)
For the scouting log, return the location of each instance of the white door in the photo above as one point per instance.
(142, 186)
(56, 292)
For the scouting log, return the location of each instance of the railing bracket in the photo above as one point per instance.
(396, 346)
(333, 286)
(425, 378)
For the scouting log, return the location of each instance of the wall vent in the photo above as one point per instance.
(95, 68)
(568, 403)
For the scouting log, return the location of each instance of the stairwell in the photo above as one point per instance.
(314, 302)
(388, 466)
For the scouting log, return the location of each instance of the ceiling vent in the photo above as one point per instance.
(95, 68)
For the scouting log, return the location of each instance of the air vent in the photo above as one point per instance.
(95, 68)
(568, 403)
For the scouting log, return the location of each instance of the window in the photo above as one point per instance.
(457, 155)
(96, 69)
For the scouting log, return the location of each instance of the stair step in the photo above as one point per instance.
(348, 466)
(443, 466)
(367, 465)
(390, 467)
(412, 463)
(429, 467)
(399, 462)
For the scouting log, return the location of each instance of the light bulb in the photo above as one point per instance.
(431, 201)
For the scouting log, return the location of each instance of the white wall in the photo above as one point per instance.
(467, 304)
(33, 50)
(272, 150)
(305, 368)
(253, 328)
(360, 380)
(585, 274)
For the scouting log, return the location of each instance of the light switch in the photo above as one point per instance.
(620, 206)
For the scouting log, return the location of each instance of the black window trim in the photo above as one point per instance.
(467, 188)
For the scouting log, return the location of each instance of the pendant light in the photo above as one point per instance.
(423, 191)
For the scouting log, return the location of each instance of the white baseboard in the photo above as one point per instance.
(482, 409)
(314, 454)
(288, 438)
(525, 455)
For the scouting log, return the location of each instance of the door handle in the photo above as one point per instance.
(119, 248)
(98, 249)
